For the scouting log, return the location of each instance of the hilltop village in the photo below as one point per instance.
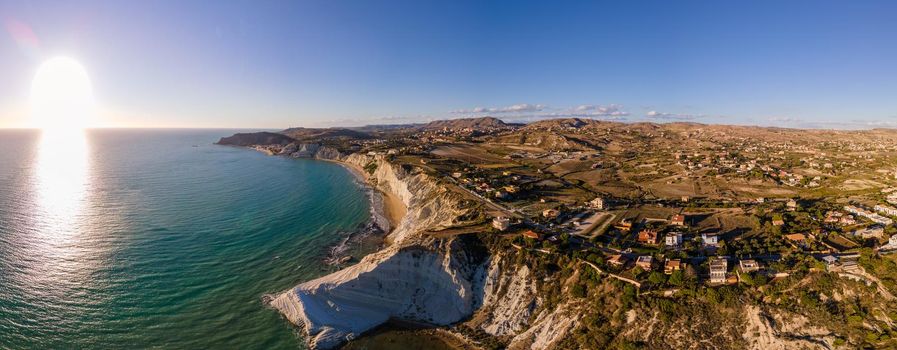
(666, 213)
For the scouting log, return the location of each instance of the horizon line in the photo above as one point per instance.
(858, 127)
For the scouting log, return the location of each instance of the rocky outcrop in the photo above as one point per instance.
(511, 299)
(309, 150)
(782, 331)
(548, 329)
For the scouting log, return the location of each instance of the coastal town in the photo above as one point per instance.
(663, 210)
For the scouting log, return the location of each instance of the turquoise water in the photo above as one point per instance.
(158, 238)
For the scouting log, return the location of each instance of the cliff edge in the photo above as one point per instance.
(416, 278)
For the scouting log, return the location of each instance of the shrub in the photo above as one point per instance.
(370, 167)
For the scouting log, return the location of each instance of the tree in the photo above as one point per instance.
(657, 278)
(723, 248)
(746, 279)
(595, 258)
(760, 280)
(676, 278)
(629, 294)
(711, 295)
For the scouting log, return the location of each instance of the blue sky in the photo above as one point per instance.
(271, 64)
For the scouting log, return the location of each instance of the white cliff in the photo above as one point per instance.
(417, 277)
(511, 299)
(550, 327)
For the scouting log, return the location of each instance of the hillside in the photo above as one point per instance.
(484, 123)
(312, 134)
(256, 138)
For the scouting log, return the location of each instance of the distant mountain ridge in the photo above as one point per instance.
(328, 133)
(464, 123)
(551, 133)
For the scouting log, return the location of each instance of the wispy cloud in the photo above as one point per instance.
(535, 117)
(375, 120)
(846, 124)
(527, 112)
(875, 123)
(612, 110)
(517, 108)
(785, 120)
(672, 116)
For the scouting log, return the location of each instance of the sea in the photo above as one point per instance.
(136, 238)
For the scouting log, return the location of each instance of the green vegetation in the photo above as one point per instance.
(370, 167)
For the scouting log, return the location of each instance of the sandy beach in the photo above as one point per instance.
(393, 207)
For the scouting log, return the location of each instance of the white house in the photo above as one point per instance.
(792, 205)
(892, 243)
(748, 265)
(673, 239)
(869, 232)
(886, 209)
(718, 268)
(501, 223)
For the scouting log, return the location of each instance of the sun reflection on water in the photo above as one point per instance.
(54, 251)
(62, 171)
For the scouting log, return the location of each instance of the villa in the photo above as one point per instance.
(551, 213)
(791, 205)
(501, 223)
(886, 209)
(892, 243)
(647, 236)
(748, 266)
(645, 262)
(868, 214)
(718, 268)
(678, 220)
(798, 239)
(672, 265)
(532, 234)
(673, 239)
(869, 232)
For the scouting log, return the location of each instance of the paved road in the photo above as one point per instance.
(621, 278)
(489, 203)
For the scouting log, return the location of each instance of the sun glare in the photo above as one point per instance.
(61, 95)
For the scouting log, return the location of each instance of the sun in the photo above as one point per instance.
(61, 95)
